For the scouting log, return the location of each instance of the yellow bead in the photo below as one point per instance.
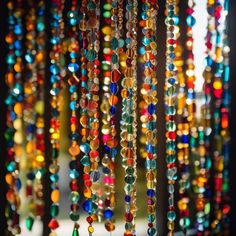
(217, 84)
(18, 108)
(91, 229)
(106, 30)
(55, 196)
(40, 158)
(39, 107)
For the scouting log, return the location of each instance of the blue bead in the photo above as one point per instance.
(72, 89)
(73, 105)
(127, 198)
(55, 40)
(151, 109)
(73, 67)
(113, 110)
(73, 174)
(185, 139)
(54, 69)
(73, 54)
(190, 21)
(150, 193)
(85, 148)
(54, 177)
(31, 128)
(87, 206)
(114, 88)
(106, 170)
(108, 214)
(11, 166)
(18, 184)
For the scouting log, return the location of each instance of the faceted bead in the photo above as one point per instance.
(74, 197)
(29, 223)
(73, 67)
(75, 231)
(171, 215)
(53, 224)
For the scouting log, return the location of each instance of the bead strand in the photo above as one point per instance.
(129, 118)
(170, 110)
(92, 174)
(73, 81)
(14, 103)
(149, 102)
(57, 26)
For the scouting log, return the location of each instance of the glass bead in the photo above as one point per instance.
(74, 216)
(29, 223)
(73, 67)
(171, 215)
(74, 197)
(108, 214)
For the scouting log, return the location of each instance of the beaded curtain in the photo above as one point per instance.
(95, 64)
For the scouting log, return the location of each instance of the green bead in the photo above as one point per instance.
(91, 55)
(75, 232)
(107, 14)
(129, 179)
(91, 5)
(128, 226)
(107, 6)
(114, 59)
(130, 170)
(54, 210)
(29, 223)
(114, 43)
(171, 215)
(55, 153)
(85, 161)
(185, 222)
(74, 216)
(130, 129)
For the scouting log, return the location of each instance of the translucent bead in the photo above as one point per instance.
(74, 197)
(108, 214)
(171, 215)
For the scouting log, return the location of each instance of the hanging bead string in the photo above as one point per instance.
(182, 139)
(73, 81)
(85, 103)
(84, 107)
(200, 137)
(225, 132)
(218, 139)
(14, 100)
(189, 123)
(57, 29)
(91, 174)
(108, 107)
(39, 108)
(30, 98)
(129, 119)
(170, 101)
(105, 107)
(149, 97)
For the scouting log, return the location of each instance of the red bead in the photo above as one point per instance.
(53, 224)
(89, 219)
